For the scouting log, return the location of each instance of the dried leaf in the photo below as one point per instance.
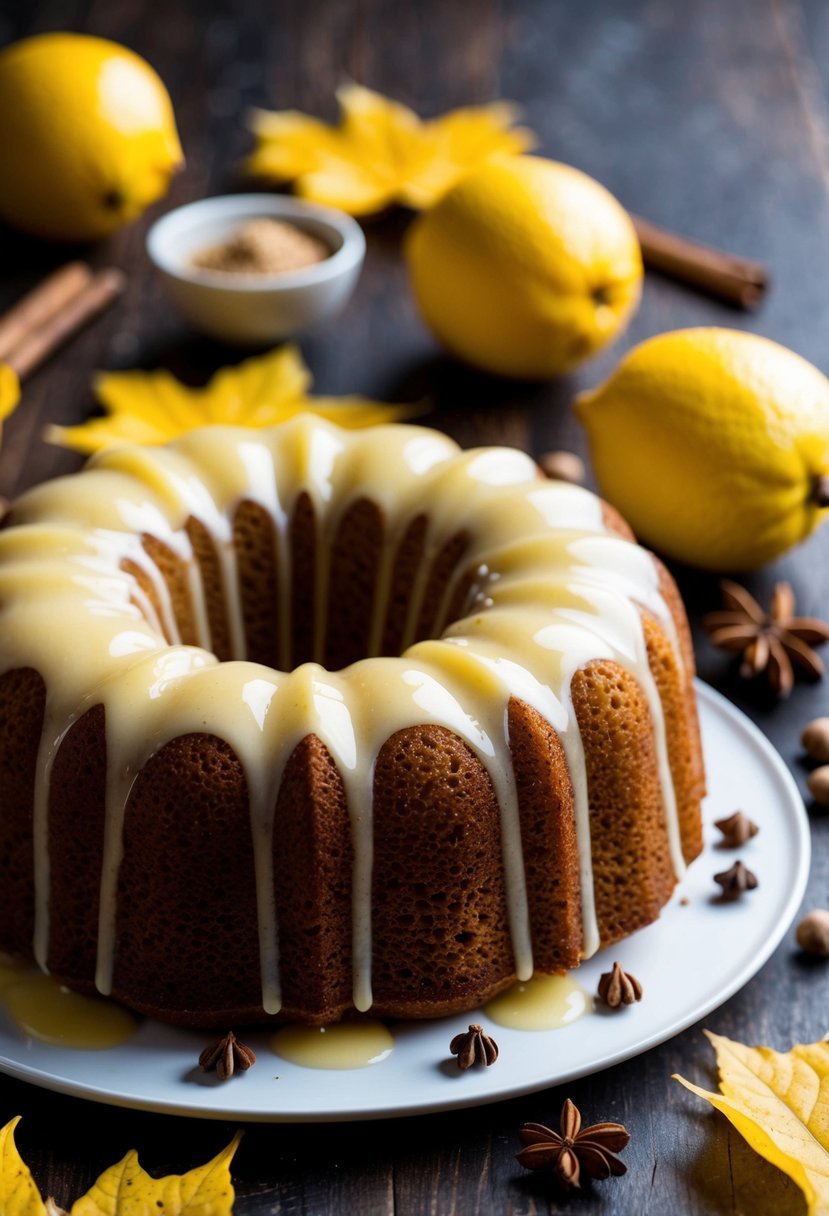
(153, 407)
(779, 1102)
(126, 1189)
(381, 152)
(18, 1194)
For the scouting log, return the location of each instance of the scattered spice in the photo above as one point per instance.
(563, 466)
(474, 1046)
(227, 1055)
(812, 934)
(735, 881)
(684, 902)
(815, 739)
(818, 783)
(770, 642)
(736, 830)
(775, 1100)
(574, 1148)
(263, 246)
(617, 987)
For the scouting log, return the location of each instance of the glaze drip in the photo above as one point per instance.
(515, 585)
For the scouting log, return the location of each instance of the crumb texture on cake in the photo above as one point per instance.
(300, 722)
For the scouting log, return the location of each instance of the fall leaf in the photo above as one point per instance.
(779, 1103)
(18, 1194)
(381, 152)
(153, 407)
(124, 1189)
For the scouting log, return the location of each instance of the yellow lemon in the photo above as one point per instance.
(714, 444)
(87, 136)
(525, 268)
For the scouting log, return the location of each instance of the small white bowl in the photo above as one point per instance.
(254, 309)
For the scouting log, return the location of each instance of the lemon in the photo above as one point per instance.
(87, 136)
(714, 444)
(525, 268)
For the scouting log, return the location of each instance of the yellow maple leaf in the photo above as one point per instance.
(153, 407)
(19, 1195)
(380, 152)
(779, 1103)
(126, 1189)
(459, 142)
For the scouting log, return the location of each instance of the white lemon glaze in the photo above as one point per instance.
(553, 591)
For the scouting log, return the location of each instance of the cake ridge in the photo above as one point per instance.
(546, 599)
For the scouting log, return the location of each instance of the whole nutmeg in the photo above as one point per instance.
(815, 739)
(563, 466)
(812, 933)
(818, 783)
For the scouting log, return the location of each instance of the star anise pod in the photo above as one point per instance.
(573, 1148)
(735, 881)
(617, 987)
(773, 642)
(473, 1046)
(736, 830)
(227, 1055)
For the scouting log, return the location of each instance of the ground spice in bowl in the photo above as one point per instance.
(263, 247)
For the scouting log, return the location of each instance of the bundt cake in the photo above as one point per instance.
(303, 721)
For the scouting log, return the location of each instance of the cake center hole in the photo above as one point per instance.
(313, 591)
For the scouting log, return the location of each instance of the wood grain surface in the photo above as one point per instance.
(708, 118)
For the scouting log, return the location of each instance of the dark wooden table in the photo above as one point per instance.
(710, 118)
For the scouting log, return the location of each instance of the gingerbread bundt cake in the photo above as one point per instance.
(302, 721)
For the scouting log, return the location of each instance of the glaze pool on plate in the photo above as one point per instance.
(156, 1069)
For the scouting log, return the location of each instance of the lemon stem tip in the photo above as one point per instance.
(114, 199)
(820, 495)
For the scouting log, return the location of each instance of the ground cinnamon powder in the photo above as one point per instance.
(263, 246)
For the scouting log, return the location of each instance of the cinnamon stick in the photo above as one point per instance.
(736, 280)
(100, 291)
(41, 303)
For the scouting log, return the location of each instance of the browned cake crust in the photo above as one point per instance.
(174, 573)
(22, 703)
(439, 916)
(255, 543)
(632, 873)
(313, 855)
(212, 581)
(187, 947)
(407, 561)
(444, 565)
(303, 568)
(76, 848)
(353, 573)
(548, 830)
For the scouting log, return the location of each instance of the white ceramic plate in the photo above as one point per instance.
(694, 958)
